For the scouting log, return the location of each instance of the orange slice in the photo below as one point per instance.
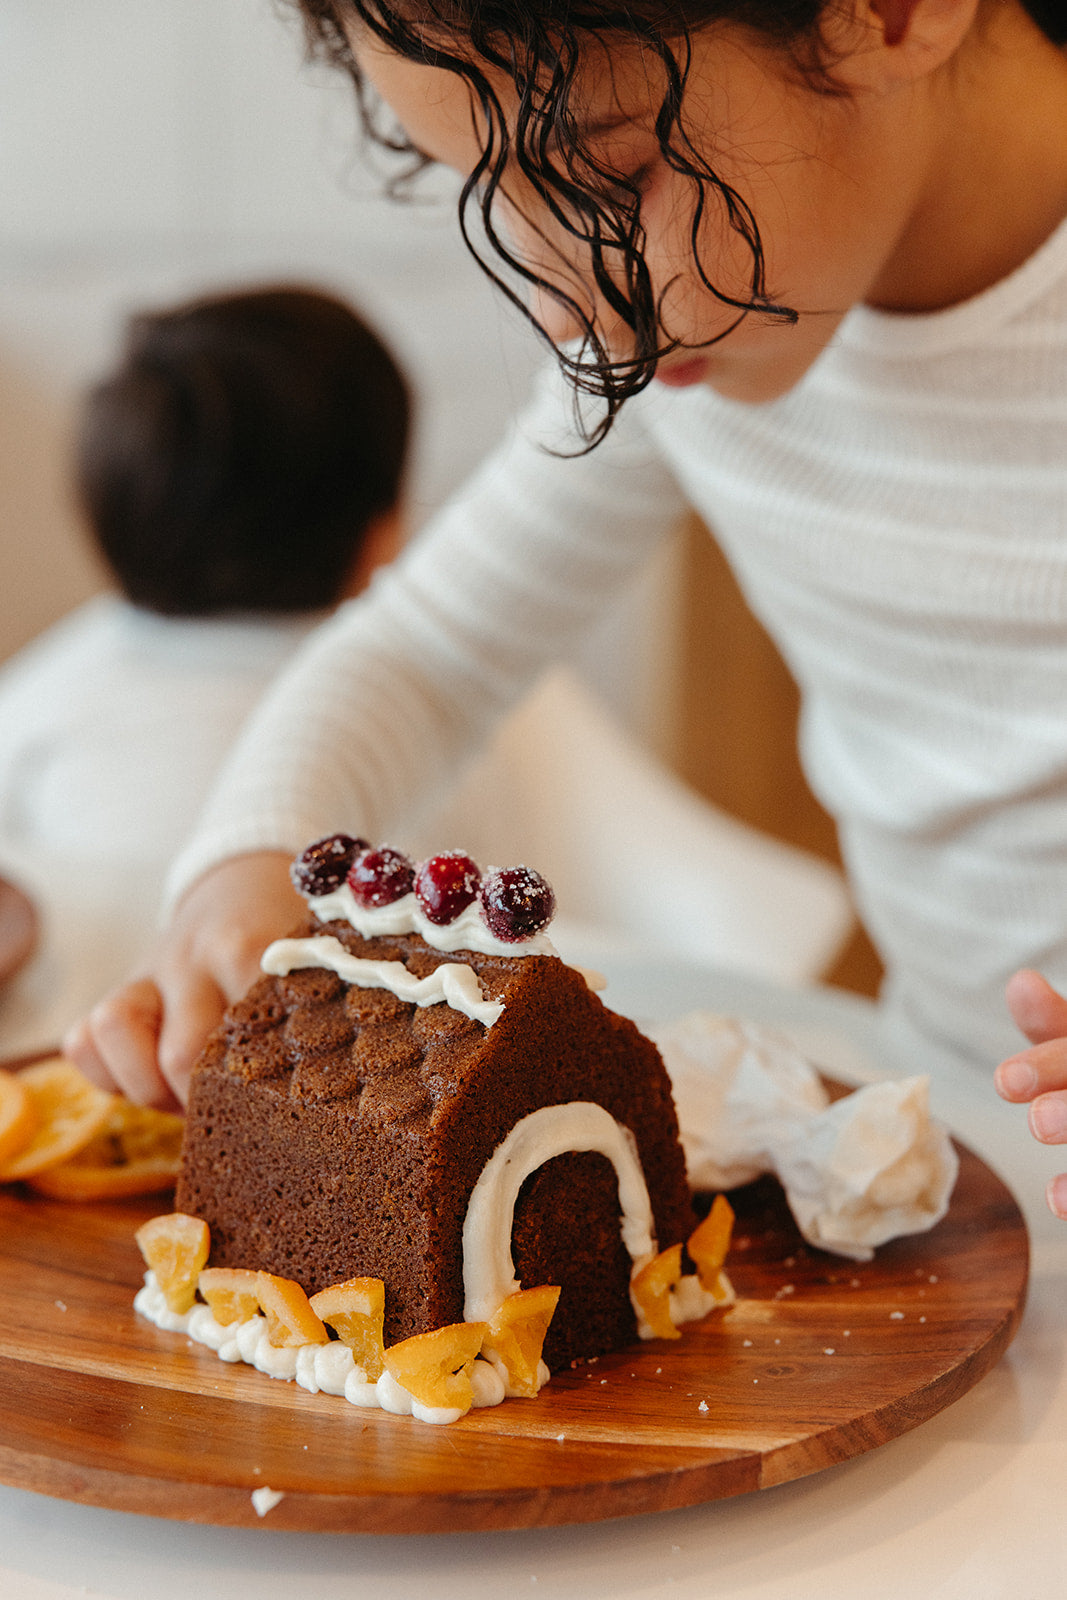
(290, 1319)
(176, 1247)
(651, 1288)
(70, 1111)
(517, 1334)
(18, 1116)
(137, 1151)
(710, 1242)
(231, 1292)
(355, 1311)
(435, 1367)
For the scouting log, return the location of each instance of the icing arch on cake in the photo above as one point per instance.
(578, 1125)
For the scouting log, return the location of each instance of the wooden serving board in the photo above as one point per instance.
(820, 1360)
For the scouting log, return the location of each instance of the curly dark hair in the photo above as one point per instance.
(537, 45)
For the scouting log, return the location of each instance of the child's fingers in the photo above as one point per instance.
(1056, 1195)
(1038, 1070)
(116, 1045)
(194, 1005)
(1048, 1118)
(1037, 1008)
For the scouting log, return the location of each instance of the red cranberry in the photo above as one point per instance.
(323, 866)
(378, 877)
(446, 884)
(516, 902)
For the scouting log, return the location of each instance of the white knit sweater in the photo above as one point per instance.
(898, 521)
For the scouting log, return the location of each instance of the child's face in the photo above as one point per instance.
(832, 182)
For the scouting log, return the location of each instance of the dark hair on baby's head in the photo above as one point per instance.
(235, 459)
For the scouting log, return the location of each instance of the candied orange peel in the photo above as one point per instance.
(516, 1336)
(650, 1290)
(435, 1367)
(709, 1243)
(18, 1115)
(136, 1151)
(176, 1247)
(290, 1319)
(232, 1293)
(355, 1310)
(68, 1112)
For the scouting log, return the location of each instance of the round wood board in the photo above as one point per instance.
(820, 1360)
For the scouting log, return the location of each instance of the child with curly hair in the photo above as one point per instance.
(803, 268)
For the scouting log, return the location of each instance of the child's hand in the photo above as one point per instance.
(144, 1037)
(1039, 1075)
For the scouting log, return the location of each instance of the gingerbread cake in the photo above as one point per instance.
(339, 1128)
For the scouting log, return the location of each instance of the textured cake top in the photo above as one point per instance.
(336, 1040)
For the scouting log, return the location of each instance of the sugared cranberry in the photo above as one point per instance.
(446, 884)
(516, 902)
(323, 866)
(378, 877)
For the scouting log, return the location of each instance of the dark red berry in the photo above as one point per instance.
(323, 866)
(446, 884)
(516, 902)
(378, 877)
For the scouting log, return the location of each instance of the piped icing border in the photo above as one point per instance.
(578, 1125)
(453, 983)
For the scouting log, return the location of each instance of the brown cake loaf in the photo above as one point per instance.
(336, 1132)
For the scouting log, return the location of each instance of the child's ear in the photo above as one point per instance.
(905, 39)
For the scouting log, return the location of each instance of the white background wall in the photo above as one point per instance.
(150, 149)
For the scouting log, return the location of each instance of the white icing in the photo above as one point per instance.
(468, 931)
(488, 1268)
(489, 1384)
(452, 983)
(690, 1301)
(326, 1368)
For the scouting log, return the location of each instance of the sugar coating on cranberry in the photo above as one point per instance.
(323, 866)
(516, 902)
(378, 877)
(446, 885)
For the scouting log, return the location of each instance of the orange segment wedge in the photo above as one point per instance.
(18, 1116)
(708, 1244)
(290, 1319)
(355, 1311)
(435, 1367)
(231, 1292)
(650, 1290)
(176, 1247)
(70, 1111)
(517, 1334)
(137, 1151)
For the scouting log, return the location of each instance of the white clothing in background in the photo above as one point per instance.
(899, 521)
(113, 725)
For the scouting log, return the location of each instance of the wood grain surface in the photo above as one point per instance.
(820, 1360)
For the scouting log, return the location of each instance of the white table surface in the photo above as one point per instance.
(972, 1505)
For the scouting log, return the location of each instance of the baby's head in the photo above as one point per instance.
(692, 190)
(246, 454)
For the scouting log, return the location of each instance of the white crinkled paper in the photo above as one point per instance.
(868, 1168)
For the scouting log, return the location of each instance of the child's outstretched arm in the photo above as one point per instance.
(1039, 1075)
(144, 1037)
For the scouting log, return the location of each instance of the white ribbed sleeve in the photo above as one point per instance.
(899, 521)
